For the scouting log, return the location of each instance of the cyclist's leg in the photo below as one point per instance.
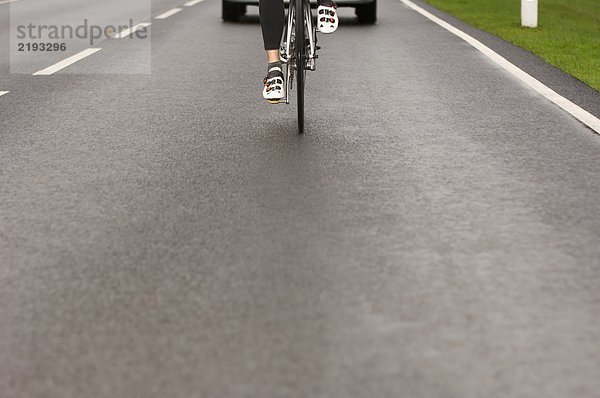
(272, 19)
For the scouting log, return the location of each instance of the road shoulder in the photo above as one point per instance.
(556, 79)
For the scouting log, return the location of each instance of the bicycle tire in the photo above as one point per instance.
(300, 62)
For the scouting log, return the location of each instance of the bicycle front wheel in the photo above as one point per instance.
(300, 62)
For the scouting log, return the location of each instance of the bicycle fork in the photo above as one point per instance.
(312, 39)
(288, 46)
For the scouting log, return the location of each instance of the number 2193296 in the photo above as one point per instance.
(41, 46)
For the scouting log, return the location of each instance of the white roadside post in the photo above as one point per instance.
(529, 13)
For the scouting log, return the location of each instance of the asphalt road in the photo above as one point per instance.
(433, 234)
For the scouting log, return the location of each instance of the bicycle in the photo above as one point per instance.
(298, 57)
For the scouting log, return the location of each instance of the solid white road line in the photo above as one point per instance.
(128, 31)
(3, 92)
(192, 3)
(66, 62)
(579, 113)
(168, 13)
(7, 1)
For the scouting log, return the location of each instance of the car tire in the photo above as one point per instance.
(367, 13)
(231, 11)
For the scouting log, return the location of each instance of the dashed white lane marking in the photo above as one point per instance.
(3, 92)
(7, 1)
(579, 113)
(66, 62)
(133, 29)
(168, 13)
(192, 3)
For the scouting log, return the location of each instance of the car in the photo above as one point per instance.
(366, 10)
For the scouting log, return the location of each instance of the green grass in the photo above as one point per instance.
(568, 35)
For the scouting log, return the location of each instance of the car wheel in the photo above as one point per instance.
(367, 13)
(232, 11)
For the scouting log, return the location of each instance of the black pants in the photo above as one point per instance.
(272, 18)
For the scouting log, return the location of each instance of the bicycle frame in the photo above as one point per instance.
(289, 41)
